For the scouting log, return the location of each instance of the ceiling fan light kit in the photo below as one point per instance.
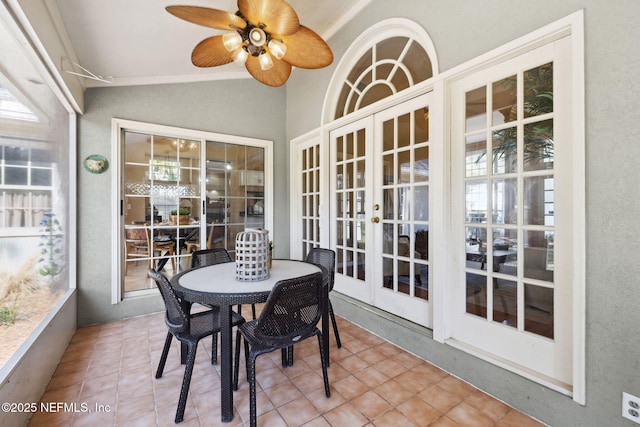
(264, 35)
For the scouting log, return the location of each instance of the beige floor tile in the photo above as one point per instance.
(371, 405)
(298, 412)
(346, 415)
(373, 383)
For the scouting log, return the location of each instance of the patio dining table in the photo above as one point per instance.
(216, 285)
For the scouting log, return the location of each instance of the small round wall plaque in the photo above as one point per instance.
(96, 163)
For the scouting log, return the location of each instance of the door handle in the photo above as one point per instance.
(375, 219)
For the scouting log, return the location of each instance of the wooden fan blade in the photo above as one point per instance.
(276, 76)
(210, 52)
(212, 18)
(306, 49)
(277, 15)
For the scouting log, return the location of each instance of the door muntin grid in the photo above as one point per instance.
(310, 196)
(350, 201)
(509, 201)
(405, 195)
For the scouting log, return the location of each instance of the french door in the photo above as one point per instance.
(512, 213)
(380, 209)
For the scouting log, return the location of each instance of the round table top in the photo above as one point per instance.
(221, 278)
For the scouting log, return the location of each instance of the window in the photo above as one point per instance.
(26, 180)
(390, 66)
(35, 174)
(390, 57)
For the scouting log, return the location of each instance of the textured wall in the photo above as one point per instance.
(240, 107)
(463, 30)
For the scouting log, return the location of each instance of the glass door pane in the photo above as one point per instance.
(310, 193)
(161, 205)
(234, 198)
(350, 198)
(352, 208)
(509, 213)
(405, 194)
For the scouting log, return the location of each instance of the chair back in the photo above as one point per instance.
(292, 310)
(137, 236)
(209, 257)
(190, 237)
(325, 258)
(175, 317)
(216, 236)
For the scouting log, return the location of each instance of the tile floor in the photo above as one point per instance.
(109, 370)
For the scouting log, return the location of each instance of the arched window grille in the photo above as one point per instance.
(387, 67)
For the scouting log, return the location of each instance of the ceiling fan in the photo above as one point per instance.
(264, 35)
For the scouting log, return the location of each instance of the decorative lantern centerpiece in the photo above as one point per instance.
(252, 255)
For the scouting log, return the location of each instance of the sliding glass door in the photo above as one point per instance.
(181, 191)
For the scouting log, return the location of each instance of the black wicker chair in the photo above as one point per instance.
(289, 316)
(214, 256)
(188, 329)
(326, 258)
(209, 257)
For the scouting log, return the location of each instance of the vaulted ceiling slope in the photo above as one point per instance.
(137, 42)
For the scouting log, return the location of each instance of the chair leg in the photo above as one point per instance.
(323, 361)
(246, 356)
(163, 357)
(236, 366)
(287, 357)
(214, 348)
(251, 374)
(335, 325)
(186, 381)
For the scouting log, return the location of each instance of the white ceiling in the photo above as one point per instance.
(138, 42)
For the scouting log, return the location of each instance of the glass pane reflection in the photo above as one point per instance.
(538, 255)
(404, 130)
(538, 311)
(404, 204)
(421, 203)
(505, 100)
(387, 206)
(505, 201)
(476, 109)
(476, 286)
(538, 90)
(538, 145)
(505, 151)
(421, 127)
(421, 165)
(404, 277)
(505, 302)
(387, 273)
(362, 268)
(476, 201)
(537, 190)
(404, 166)
(476, 155)
(387, 169)
(421, 272)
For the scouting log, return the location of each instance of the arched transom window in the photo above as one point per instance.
(384, 67)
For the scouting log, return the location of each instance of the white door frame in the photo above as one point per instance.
(572, 26)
